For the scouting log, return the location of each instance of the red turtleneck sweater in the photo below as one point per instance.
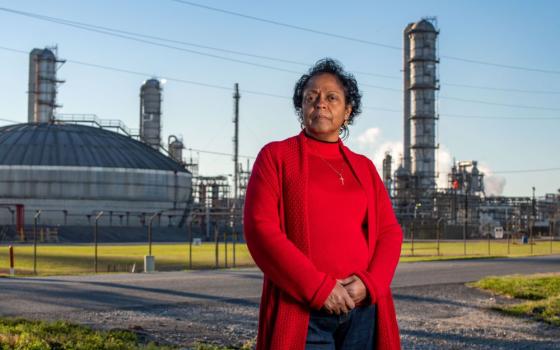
(337, 213)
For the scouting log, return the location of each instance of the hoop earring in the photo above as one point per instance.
(343, 132)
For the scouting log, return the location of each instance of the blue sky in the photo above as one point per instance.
(517, 33)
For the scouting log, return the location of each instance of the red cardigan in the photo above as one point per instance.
(277, 235)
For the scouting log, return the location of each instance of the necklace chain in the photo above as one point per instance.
(339, 173)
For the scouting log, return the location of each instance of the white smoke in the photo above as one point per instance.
(493, 184)
(444, 164)
(371, 144)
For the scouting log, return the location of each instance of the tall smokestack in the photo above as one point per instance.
(42, 86)
(406, 98)
(423, 86)
(150, 113)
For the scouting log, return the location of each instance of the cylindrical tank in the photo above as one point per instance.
(423, 85)
(387, 180)
(176, 148)
(42, 86)
(477, 178)
(150, 113)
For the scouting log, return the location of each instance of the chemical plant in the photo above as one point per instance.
(73, 171)
(68, 172)
(461, 210)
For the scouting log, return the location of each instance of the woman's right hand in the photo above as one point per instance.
(339, 301)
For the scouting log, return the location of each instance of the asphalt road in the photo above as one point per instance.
(61, 295)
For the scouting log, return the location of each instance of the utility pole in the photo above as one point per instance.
(236, 97)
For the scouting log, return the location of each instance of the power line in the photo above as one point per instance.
(362, 41)
(286, 25)
(10, 121)
(126, 35)
(520, 171)
(447, 115)
(479, 87)
(218, 153)
(498, 104)
(261, 93)
(500, 65)
(123, 34)
(115, 33)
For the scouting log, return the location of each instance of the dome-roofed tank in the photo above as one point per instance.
(77, 145)
(72, 171)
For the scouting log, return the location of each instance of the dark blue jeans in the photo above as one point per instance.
(353, 331)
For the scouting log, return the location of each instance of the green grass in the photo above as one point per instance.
(427, 250)
(20, 334)
(541, 292)
(78, 259)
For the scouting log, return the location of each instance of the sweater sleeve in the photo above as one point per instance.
(279, 259)
(379, 274)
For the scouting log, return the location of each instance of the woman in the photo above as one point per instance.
(319, 224)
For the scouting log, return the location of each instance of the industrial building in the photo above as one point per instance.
(462, 209)
(72, 168)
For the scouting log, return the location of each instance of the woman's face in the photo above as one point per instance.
(324, 107)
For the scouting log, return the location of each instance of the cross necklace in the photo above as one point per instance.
(339, 173)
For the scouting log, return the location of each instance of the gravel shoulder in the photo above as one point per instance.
(446, 316)
(454, 316)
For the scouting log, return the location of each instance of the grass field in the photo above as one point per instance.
(77, 259)
(428, 250)
(539, 295)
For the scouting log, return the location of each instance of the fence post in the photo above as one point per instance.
(488, 244)
(438, 234)
(35, 219)
(234, 243)
(190, 238)
(97, 217)
(412, 239)
(225, 247)
(12, 270)
(216, 241)
(149, 260)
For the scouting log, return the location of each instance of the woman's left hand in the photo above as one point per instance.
(355, 288)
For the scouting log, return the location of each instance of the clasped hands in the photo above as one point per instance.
(346, 295)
